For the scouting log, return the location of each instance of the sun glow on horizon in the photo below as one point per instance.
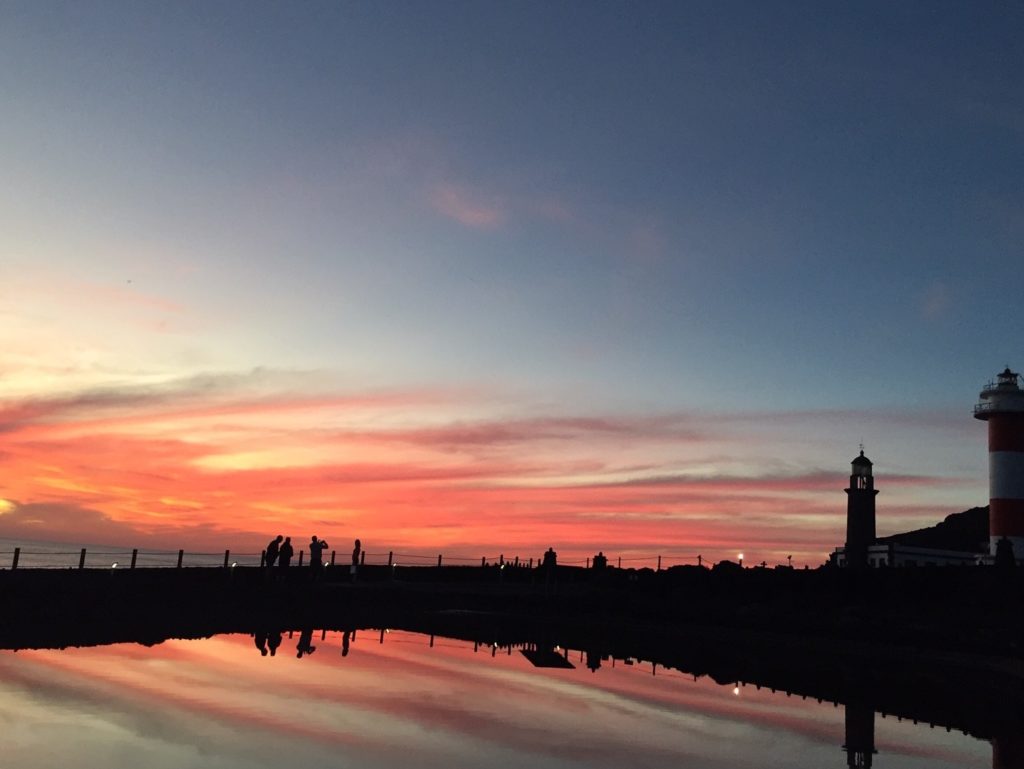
(183, 463)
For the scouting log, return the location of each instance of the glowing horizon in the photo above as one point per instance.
(214, 463)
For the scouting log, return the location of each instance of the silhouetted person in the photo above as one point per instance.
(305, 642)
(550, 558)
(356, 553)
(273, 549)
(1004, 554)
(261, 642)
(273, 641)
(316, 556)
(600, 561)
(284, 555)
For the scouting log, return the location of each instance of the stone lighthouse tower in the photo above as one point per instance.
(860, 513)
(1002, 406)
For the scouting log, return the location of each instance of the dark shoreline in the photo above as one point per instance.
(972, 611)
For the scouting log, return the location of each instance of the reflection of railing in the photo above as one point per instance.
(36, 558)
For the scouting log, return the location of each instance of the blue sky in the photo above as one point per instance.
(587, 208)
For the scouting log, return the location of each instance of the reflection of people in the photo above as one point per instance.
(284, 555)
(273, 641)
(305, 642)
(345, 640)
(272, 550)
(260, 639)
(316, 556)
(356, 552)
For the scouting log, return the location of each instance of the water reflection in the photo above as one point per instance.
(764, 711)
(436, 700)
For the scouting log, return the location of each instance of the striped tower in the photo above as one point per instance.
(1002, 406)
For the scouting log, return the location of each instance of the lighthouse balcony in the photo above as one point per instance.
(1001, 403)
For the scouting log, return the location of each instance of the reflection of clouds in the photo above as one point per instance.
(218, 703)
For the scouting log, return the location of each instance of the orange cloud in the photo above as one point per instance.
(228, 461)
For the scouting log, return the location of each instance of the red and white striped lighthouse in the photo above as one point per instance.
(1002, 406)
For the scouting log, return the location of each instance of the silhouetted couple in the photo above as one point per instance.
(280, 552)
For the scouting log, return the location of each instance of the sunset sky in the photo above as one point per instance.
(483, 278)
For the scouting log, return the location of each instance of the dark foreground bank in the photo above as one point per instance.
(967, 611)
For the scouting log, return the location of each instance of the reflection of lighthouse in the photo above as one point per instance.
(860, 734)
(1002, 406)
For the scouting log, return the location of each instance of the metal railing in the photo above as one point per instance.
(107, 558)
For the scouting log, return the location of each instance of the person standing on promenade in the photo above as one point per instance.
(356, 553)
(316, 556)
(284, 555)
(272, 550)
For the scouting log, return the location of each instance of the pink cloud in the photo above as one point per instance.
(467, 207)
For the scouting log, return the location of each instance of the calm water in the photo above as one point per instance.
(400, 703)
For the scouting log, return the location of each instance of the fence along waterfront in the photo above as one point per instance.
(44, 556)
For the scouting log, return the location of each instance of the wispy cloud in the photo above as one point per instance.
(228, 456)
(468, 207)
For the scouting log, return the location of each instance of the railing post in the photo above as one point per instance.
(300, 559)
(501, 560)
(227, 557)
(700, 560)
(333, 553)
(620, 561)
(17, 555)
(81, 559)
(483, 560)
(263, 558)
(659, 563)
(362, 558)
(588, 561)
(531, 563)
(439, 560)
(181, 557)
(391, 558)
(135, 557)
(517, 562)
